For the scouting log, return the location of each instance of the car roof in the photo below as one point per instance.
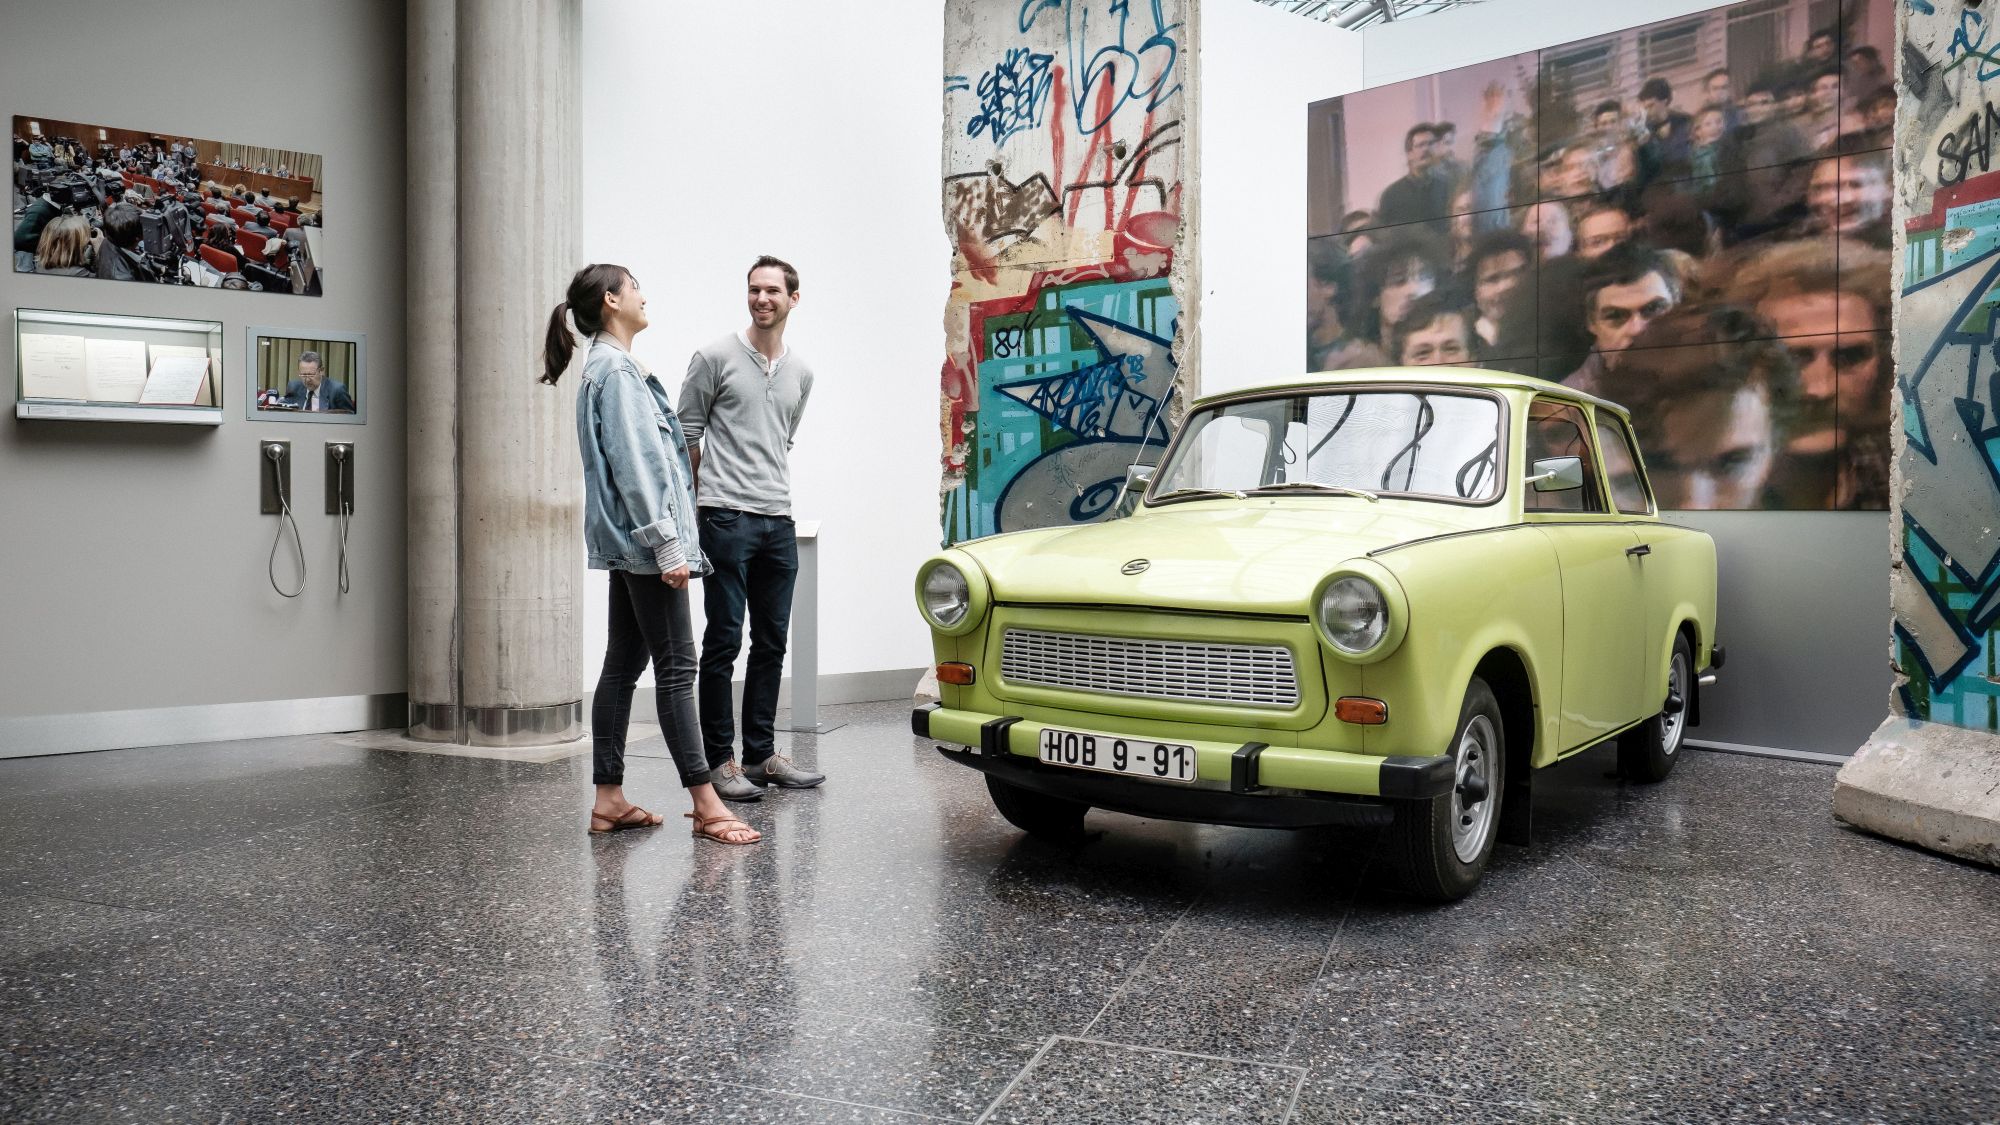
(1403, 376)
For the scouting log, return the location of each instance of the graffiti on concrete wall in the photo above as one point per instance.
(1946, 589)
(1062, 195)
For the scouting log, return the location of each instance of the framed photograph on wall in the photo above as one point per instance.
(119, 204)
(308, 375)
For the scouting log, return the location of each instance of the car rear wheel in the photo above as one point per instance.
(1441, 846)
(1038, 814)
(1648, 751)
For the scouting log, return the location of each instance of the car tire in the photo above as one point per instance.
(1038, 814)
(1648, 751)
(1440, 847)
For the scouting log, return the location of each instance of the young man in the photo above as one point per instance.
(740, 409)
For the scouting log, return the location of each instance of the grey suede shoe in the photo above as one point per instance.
(780, 771)
(732, 785)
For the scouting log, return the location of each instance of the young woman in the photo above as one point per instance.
(639, 524)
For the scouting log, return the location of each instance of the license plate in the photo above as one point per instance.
(1117, 753)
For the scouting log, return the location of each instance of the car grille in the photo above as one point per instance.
(1234, 675)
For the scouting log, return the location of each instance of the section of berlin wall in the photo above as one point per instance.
(1946, 584)
(1066, 142)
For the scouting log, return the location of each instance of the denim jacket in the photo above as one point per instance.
(639, 513)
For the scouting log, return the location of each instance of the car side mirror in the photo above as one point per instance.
(1557, 474)
(1138, 478)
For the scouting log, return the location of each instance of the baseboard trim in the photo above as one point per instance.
(835, 689)
(38, 735)
(1769, 752)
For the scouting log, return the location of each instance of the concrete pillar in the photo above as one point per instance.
(1931, 774)
(495, 504)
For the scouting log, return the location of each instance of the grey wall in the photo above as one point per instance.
(1800, 610)
(132, 557)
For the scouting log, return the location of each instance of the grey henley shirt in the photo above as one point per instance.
(744, 414)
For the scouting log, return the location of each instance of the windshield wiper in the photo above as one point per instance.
(1194, 493)
(1315, 486)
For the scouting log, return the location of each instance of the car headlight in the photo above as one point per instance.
(947, 596)
(1353, 614)
(1361, 612)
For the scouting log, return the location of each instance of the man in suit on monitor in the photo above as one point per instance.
(313, 392)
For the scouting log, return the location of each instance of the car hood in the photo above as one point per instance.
(1262, 556)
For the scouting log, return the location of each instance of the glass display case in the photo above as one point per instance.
(100, 367)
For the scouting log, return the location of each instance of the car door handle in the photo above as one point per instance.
(1639, 552)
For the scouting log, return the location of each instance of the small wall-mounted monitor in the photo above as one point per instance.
(305, 375)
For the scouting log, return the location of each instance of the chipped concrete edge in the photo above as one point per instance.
(1930, 784)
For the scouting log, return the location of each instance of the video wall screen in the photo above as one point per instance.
(122, 204)
(1690, 218)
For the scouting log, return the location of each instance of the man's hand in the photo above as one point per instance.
(677, 577)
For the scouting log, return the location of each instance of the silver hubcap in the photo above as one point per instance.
(1472, 796)
(1674, 725)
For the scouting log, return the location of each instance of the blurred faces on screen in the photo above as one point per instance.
(1495, 277)
(1825, 92)
(1712, 396)
(1716, 88)
(1600, 229)
(1827, 301)
(1420, 149)
(1848, 194)
(1549, 225)
(1403, 282)
(1709, 125)
(1626, 289)
(1432, 333)
(1759, 106)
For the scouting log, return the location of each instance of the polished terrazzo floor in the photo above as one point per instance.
(302, 930)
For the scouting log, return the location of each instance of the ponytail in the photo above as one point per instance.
(584, 304)
(558, 347)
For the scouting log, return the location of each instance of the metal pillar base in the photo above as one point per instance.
(496, 726)
(811, 728)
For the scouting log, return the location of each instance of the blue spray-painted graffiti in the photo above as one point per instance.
(1947, 601)
(1075, 391)
(1013, 95)
(1115, 57)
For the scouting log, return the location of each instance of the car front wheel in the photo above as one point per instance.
(1441, 846)
(1648, 751)
(1037, 814)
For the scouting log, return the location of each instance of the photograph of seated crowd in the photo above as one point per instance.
(124, 205)
(1690, 219)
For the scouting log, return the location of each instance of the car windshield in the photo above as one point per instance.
(1428, 444)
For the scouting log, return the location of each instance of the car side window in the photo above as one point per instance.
(1621, 468)
(1558, 429)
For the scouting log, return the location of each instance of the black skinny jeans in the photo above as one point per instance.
(650, 620)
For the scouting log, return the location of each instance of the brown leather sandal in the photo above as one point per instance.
(721, 828)
(632, 817)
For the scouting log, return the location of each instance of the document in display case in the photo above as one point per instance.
(100, 367)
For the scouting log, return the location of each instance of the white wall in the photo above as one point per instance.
(1260, 68)
(717, 132)
(132, 557)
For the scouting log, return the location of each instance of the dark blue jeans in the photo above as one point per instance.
(650, 620)
(756, 561)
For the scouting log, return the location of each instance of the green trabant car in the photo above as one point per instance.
(1363, 598)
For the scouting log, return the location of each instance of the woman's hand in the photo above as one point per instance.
(677, 577)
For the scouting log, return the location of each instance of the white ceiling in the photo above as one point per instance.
(1361, 13)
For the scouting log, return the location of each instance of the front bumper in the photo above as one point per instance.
(1253, 784)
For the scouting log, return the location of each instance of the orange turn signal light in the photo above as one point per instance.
(1361, 711)
(954, 673)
